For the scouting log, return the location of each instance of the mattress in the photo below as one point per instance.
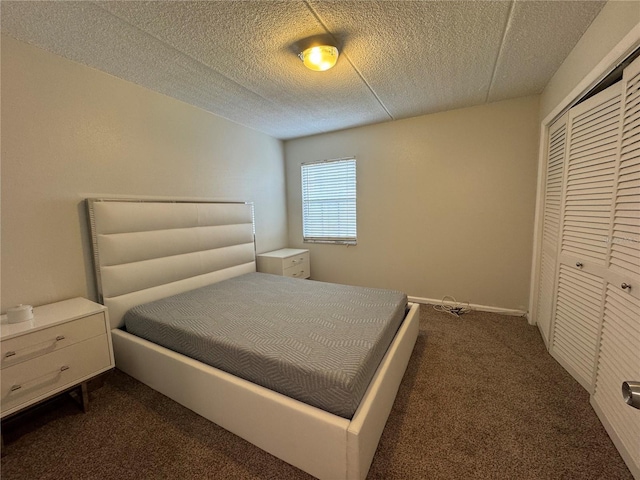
(316, 342)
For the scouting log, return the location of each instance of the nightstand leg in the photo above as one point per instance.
(81, 397)
(85, 397)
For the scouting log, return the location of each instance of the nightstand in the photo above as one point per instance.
(65, 345)
(289, 262)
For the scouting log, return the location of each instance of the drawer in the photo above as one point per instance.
(41, 342)
(45, 375)
(295, 260)
(298, 271)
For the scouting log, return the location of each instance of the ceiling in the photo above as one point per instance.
(237, 59)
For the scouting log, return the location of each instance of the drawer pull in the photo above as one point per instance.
(60, 370)
(36, 347)
(625, 286)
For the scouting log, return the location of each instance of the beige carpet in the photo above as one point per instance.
(481, 399)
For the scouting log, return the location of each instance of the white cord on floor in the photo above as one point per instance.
(452, 306)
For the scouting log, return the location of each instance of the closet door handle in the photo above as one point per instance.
(631, 393)
(625, 286)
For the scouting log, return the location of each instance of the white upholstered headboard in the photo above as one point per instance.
(146, 250)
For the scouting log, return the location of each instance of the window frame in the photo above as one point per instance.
(351, 210)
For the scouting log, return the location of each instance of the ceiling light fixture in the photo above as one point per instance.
(320, 57)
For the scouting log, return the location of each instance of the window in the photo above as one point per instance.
(329, 201)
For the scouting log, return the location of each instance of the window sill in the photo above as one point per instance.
(332, 242)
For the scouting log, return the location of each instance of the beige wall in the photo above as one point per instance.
(69, 131)
(449, 196)
(616, 20)
(445, 203)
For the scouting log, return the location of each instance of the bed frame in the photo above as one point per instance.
(146, 250)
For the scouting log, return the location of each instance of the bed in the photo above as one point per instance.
(145, 251)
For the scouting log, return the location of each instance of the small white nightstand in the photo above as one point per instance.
(289, 262)
(66, 344)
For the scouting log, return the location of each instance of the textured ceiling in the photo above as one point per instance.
(237, 59)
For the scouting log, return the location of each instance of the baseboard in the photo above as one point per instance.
(544, 339)
(473, 306)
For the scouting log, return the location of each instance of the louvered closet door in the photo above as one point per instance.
(624, 256)
(551, 225)
(619, 361)
(619, 353)
(592, 146)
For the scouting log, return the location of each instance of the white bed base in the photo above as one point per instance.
(144, 251)
(320, 443)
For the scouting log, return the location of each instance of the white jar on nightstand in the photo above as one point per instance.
(288, 262)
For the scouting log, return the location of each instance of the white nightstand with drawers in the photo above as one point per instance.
(289, 262)
(65, 345)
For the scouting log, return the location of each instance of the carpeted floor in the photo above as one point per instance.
(481, 399)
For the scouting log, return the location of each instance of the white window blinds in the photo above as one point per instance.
(329, 201)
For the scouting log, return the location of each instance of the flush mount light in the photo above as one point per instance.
(319, 57)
